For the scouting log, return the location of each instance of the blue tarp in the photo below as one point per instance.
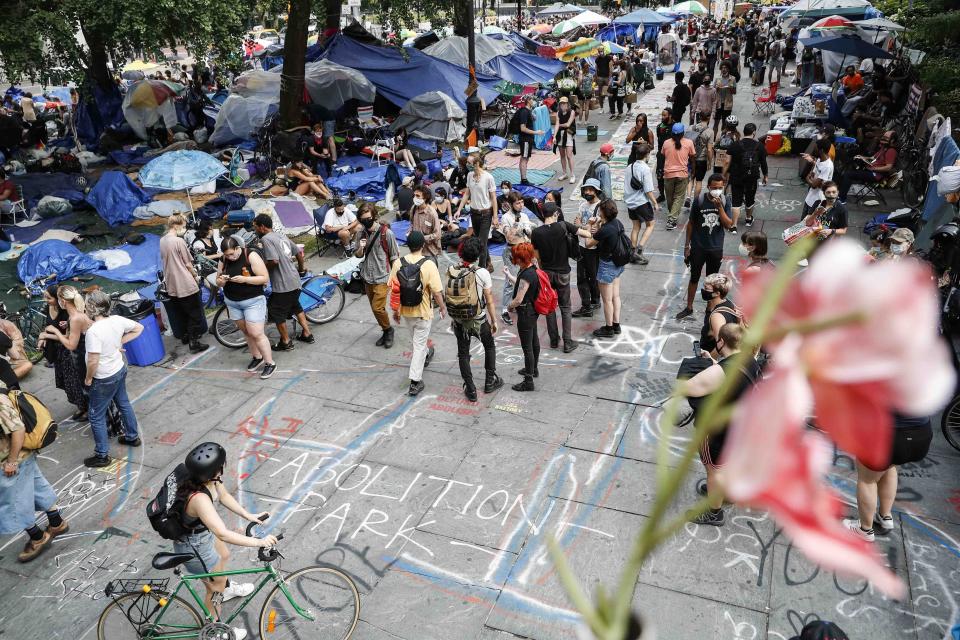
(525, 68)
(520, 41)
(613, 32)
(144, 262)
(368, 184)
(54, 256)
(398, 80)
(134, 156)
(115, 197)
(96, 114)
(61, 185)
(645, 17)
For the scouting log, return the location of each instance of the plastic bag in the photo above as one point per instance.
(52, 207)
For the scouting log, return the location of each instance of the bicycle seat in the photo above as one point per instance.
(165, 561)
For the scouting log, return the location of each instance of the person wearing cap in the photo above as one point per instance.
(563, 138)
(405, 197)
(418, 318)
(677, 153)
(589, 263)
(899, 244)
(600, 170)
(340, 224)
(527, 132)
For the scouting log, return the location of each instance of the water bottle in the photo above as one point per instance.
(12, 239)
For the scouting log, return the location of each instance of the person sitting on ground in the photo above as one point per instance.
(208, 535)
(340, 224)
(302, 181)
(402, 152)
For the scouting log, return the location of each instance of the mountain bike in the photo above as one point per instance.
(321, 297)
(315, 602)
(32, 317)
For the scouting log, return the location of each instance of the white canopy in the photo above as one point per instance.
(803, 6)
(590, 18)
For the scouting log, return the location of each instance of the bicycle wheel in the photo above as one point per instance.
(322, 299)
(950, 423)
(130, 615)
(31, 323)
(226, 330)
(328, 595)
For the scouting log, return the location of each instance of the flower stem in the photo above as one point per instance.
(572, 587)
(813, 326)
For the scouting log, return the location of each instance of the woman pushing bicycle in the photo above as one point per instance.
(208, 535)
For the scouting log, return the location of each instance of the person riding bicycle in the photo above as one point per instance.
(209, 535)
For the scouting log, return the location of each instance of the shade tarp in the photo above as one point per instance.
(879, 24)
(454, 49)
(525, 68)
(433, 116)
(54, 256)
(115, 197)
(851, 46)
(613, 32)
(645, 17)
(401, 76)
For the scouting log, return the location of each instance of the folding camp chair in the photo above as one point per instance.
(766, 100)
(384, 148)
(17, 206)
(371, 125)
(324, 244)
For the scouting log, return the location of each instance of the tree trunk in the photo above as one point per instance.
(294, 59)
(332, 9)
(461, 18)
(97, 62)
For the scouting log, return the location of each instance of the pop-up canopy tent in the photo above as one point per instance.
(401, 76)
(585, 19)
(560, 9)
(433, 116)
(808, 11)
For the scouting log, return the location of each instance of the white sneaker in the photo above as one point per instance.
(854, 525)
(562, 177)
(573, 179)
(237, 590)
(239, 634)
(885, 523)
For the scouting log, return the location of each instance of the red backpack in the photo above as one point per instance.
(546, 301)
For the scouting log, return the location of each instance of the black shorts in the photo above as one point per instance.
(744, 192)
(283, 306)
(700, 170)
(700, 258)
(910, 444)
(643, 212)
(722, 114)
(526, 147)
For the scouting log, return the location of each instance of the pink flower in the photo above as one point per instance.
(859, 373)
(771, 462)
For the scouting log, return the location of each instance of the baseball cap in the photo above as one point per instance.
(902, 235)
(678, 128)
(606, 148)
(564, 99)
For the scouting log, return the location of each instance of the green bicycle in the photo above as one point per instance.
(320, 603)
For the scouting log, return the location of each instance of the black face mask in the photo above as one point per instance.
(366, 222)
(707, 295)
(589, 197)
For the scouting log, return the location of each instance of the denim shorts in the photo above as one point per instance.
(251, 309)
(200, 544)
(607, 272)
(22, 495)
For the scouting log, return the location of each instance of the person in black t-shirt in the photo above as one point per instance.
(551, 247)
(710, 216)
(680, 99)
(603, 75)
(319, 151)
(748, 163)
(525, 291)
(527, 132)
(608, 274)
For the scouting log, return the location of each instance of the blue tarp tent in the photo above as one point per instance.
(54, 256)
(613, 32)
(520, 41)
(524, 68)
(115, 197)
(95, 114)
(398, 79)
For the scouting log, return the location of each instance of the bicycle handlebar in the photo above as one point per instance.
(265, 554)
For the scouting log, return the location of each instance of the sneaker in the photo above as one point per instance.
(58, 531)
(268, 370)
(523, 372)
(130, 442)
(671, 225)
(733, 230)
(642, 260)
(562, 177)
(711, 518)
(33, 548)
(282, 346)
(616, 328)
(470, 392)
(239, 634)
(686, 313)
(555, 344)
(254, 364)
(198, 347)
(95, 461)
(430, 353)
(748, 222)
(583, 312)
(605, 331)
(573, 179)
(505, 316)
(883, 522)
(416, 386)
(854, 525)
(526, 385)
(569, 347)
(237, 590)
(493, 384)
(305, 339)
(594, 305)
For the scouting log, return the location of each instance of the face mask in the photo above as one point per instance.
(366, 222)
(716, 193)
(418, 202)
(589, 197)
(707, 295)
(831, 198)
(744, 251)
(897, 249)
(438, 199)
(506, 191)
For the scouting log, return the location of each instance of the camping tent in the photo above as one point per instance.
(454, 49)
(588, 18)
(433, 116)
(401, 76)
(239, 117)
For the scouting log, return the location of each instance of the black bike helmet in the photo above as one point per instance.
(205, 461)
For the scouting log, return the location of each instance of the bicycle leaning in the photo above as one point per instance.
(32, 317)
(314, 602)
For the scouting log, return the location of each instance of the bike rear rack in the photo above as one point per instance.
(137, 585)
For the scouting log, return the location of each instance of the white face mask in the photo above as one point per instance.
(505, 190)
(418, 202)
(438, 199)
(716, 193)
(898, 248)
(744, 251)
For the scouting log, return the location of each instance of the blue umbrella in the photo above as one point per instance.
(847, 45)
(645, 17)
(178, 170)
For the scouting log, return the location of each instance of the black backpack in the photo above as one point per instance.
(574, 250)
(165, 511)
(622, 249)
(514, 127)
(751, 158)
(411, 287)
(591, 171)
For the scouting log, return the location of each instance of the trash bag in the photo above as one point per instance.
(52, 207)
(54, 256)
